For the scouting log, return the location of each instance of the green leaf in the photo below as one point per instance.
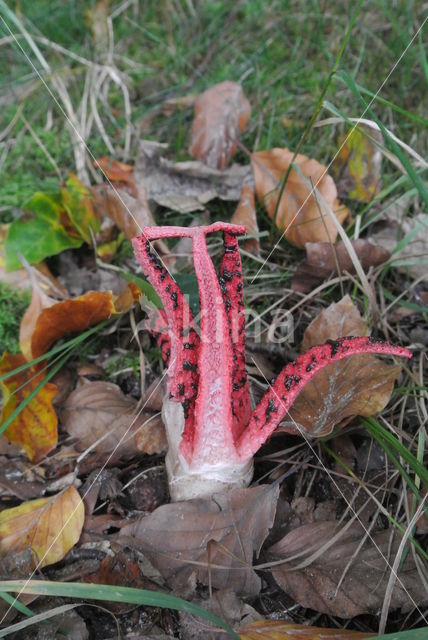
(41, 236)
(77, 201)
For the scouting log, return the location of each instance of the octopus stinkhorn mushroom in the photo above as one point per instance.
(212, 431)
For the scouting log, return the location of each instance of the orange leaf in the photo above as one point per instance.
(39, 301)
(221, 114)
(300, 215)
(245, 214)
(74, 316)
(115, 170)
(278, 630)
(50, 527)
(35, 428)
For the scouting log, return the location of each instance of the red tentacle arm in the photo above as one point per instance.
(287, 386)
(213, 439)
(231, 285)
(183, 375)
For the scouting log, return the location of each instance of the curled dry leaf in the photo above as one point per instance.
(39, 301)
(130, 214)
(35, 428)
(361, 385)
(50, 527)
(357, 167)
(302, 216)
(98, 412)
(73, 316)
(187, 540)
(278, 630)
(116, 171)
(221, 114)
(324, 259)
(245, 214)
(329, 585)
(185, 186)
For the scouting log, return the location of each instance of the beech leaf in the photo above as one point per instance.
(329, 585)
(221, 114)
(73, 316)
(50, 527)
(361, 385)
(323, 259)
(35, 428)
(300, 215)
(100, 411)
(178, 538)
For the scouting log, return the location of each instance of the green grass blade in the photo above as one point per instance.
(110, 593)
(36, 618)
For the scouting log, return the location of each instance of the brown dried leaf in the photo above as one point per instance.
(129, 214)
(324, 259)
(100, 411)
(185, 186)
(50, 527)
(115, 170)
(301, 216)
(362, 585)
(361, 385)
(176, 535)
(221, 114)
(245, 214)
(278, 630)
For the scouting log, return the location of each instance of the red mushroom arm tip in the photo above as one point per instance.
(290, 382)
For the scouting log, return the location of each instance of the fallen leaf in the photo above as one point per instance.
(98, 412)
(245, 214)
(278, 630)
(323, 259)
(50, 527)
(225, 604)
(185, 186)
(413, 257)
(186, 540)
(129, 214)
(328, 585)
(35, 428)
(357, 166)
(301, 216)
(39, 301)
(361, 385)
(115, 171)
(119, 570)
(221, 114)
(76, 315)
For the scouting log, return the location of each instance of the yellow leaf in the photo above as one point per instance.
(357, 166)
(35, 428)
(50, 527)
